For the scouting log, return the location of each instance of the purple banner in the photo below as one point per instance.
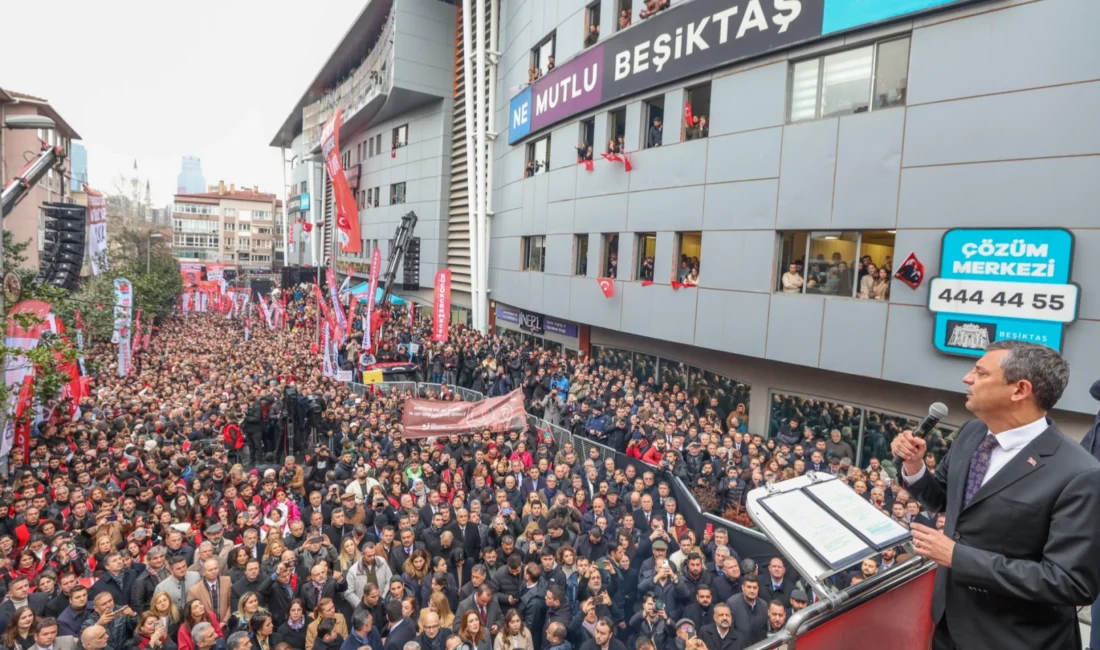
(573, 87)
(560, 327)
(507, 314)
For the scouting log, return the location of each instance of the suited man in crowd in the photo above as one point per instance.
(214, 591)
(1017, 495)
(467, 536)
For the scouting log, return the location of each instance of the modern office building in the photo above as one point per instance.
(27, 221)
(190, 179)
(226, 225)
(828, 140)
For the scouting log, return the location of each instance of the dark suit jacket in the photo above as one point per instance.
(1026, 551)
(469, 541)
(403, 634)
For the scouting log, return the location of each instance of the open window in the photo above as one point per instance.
(624, 14)
(580, 255)
(538, 157)
(654, 122)
(592, 24)
(689, 247)
(697, 106)
(585, 144)
(609, 255)
(645, 247)
(836, 263)
(542, 56)
(397, 193)
(616, 130)
(401, 136)
(534, 253)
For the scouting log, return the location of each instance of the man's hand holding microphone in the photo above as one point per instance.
(909, 448)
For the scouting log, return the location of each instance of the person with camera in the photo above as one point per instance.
(651, 622)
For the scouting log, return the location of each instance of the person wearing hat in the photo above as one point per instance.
(799, 601)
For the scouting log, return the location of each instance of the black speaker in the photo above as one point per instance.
(63, 245)
(411, 277)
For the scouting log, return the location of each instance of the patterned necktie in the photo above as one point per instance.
(979, 465)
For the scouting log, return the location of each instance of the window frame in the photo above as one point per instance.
(529, 248)
(640, 238)
(535, 59)
(580, 257)
(394, 187)
(875, 47)
(820, 235)
(647, 110)
(592, 9)
(606, 239)
(678, 250)
(613, 125)
(397, 131)
(687, 99)
(529, 156)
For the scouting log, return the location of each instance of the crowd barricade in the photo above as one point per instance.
(749, 543)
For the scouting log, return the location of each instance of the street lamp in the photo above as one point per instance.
(149, 250)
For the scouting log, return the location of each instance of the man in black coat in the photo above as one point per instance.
(720, 635)
(58, 603)
(777, 585)
(1018, 496)
(18, 596)
(278, 592)
(467, 536)
(250, 581)
(750, 613)
(557, 609)
(402, 630)
(320, 585)
(115, 580)
(604, 637)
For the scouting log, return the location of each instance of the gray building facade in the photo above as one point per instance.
(874, 142)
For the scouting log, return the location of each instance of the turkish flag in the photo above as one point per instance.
(626, 162)
(646, 283)
(393, 152)
(677, 285)
(607, 286)
(611, 157)
(588, 166)
(687, 114)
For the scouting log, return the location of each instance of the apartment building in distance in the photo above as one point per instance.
(227, 225)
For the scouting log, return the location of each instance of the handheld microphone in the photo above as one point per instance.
(936, 412)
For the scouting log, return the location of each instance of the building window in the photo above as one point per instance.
(370, 148)
(538, 157)
(698, 101)
(646, 249)
(853, 81)
(624, 14)
(592, 24)
(836, 263)
(542, 57)
(689, 247)
(245, 227)
(397, 193)
(229, 225)
(654, 122)
(534, 253)
(377, 196)
(616, 129)
(580, 255)
(401, 136)
(652, 7)
(370, 198)
(609, 255)
(585, 148)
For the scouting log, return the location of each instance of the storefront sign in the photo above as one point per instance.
(298, 203)
(1003, 284)
(688, 39)
(529, 321)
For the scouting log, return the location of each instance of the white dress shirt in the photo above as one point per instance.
(1009, 443)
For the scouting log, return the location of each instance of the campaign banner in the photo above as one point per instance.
(372, 288)
(17, 430)
(124, 311)
(337, 309)
(135, 345)
(326, 313)
(441, 307)
(347, 215)
(97, 230)
(688, 39)
(215, 272)
(423, 418)
(18, 337)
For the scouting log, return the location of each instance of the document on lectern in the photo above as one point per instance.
(817, 528)
(872, 525)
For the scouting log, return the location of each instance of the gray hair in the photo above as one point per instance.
(412, 645)
(235, 640)
(1044, 368)
(199, 630)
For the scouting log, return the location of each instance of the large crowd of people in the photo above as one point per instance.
(227, 495)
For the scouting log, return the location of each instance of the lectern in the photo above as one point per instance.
(822, 528)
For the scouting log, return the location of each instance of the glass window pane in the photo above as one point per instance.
(846, 82)
(792, 415)
(804, 90)
(832, 258)
(647, 249)
(891, 73)
(673, 373)
(645, 367)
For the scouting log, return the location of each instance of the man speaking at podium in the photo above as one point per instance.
(1020, 548)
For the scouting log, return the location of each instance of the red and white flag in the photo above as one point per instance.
(611, 157)
(688, 117)
(441, 307)
(607, 286)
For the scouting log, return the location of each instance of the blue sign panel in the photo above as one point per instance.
(846, 14)
(519, 115)
(1003, 283)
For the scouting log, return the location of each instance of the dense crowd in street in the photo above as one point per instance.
(227, 495)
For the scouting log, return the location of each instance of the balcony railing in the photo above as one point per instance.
(373, 77)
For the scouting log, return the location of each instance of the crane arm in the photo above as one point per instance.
(28, 177)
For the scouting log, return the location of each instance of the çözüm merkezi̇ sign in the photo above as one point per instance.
(1003, 283)
(685, 40)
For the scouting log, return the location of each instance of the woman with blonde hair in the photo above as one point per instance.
(514, 635)
(325, 609)
(164, 608)
(247, 607)
(441, 607)
(349, 554)
(272, 556)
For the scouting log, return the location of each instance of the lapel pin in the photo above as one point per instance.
(1031, 461)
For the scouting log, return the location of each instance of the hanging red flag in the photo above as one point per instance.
(588, 166)
(677, 285)
(607, 286)
(911, 271)
(646, 283)
(24, 416)
(688, 117)
(347, 215)
(441, 317)
(393, 152)
(626, 162)
(611, 157)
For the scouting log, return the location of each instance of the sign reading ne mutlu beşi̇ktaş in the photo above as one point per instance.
(1003, 283)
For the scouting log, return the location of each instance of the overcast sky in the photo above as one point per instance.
(156, 81)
